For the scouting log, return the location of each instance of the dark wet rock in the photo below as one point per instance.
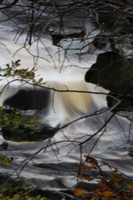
(26, 134)
(115, 73)
(29, 99)
(30, 104)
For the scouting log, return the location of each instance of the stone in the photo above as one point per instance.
(113, 72)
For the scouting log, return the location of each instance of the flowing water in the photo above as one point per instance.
(77, 108)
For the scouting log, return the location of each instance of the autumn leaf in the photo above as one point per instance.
(129, 186)
(114, 178)
(101, 185)
(91, 160)
(89, 178)
(107, 194)
(106, 164)
(79, 192)
(87, 167)
(77, 165)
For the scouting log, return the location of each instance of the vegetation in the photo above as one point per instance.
(15, 190)
(13, 118)
(114, 186)
(18, 192)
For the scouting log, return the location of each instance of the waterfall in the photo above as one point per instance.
(63, 76)
(78, 108)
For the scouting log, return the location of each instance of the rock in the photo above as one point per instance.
(113, 72)
(34, 99)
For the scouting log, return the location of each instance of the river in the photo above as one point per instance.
(76, 111)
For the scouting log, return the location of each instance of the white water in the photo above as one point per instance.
(61, 72)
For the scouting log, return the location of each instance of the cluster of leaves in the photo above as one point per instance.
(14, 191)
(116, 187)
(15, 118)
(13, 70)
(18, 192)
(6, 161)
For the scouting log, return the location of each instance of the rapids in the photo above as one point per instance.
(78, 108)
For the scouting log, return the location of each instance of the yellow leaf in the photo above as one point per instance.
(81, 39)
(17, 196)
(6, 118)
(31, 74)
(129, 186)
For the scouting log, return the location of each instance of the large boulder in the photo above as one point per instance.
(113, 72)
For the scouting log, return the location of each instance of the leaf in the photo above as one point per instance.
(114, 178)
(17, 63)
(129, 186)
(106, 164)
(93, 162)
(89, 178)
(79, 192)
(77, 165)
(87, 167)
(40, 80)
(38, 197)
(81, 39)
(17, 196)
(31, 74)
(107, 194)
(102, 185)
